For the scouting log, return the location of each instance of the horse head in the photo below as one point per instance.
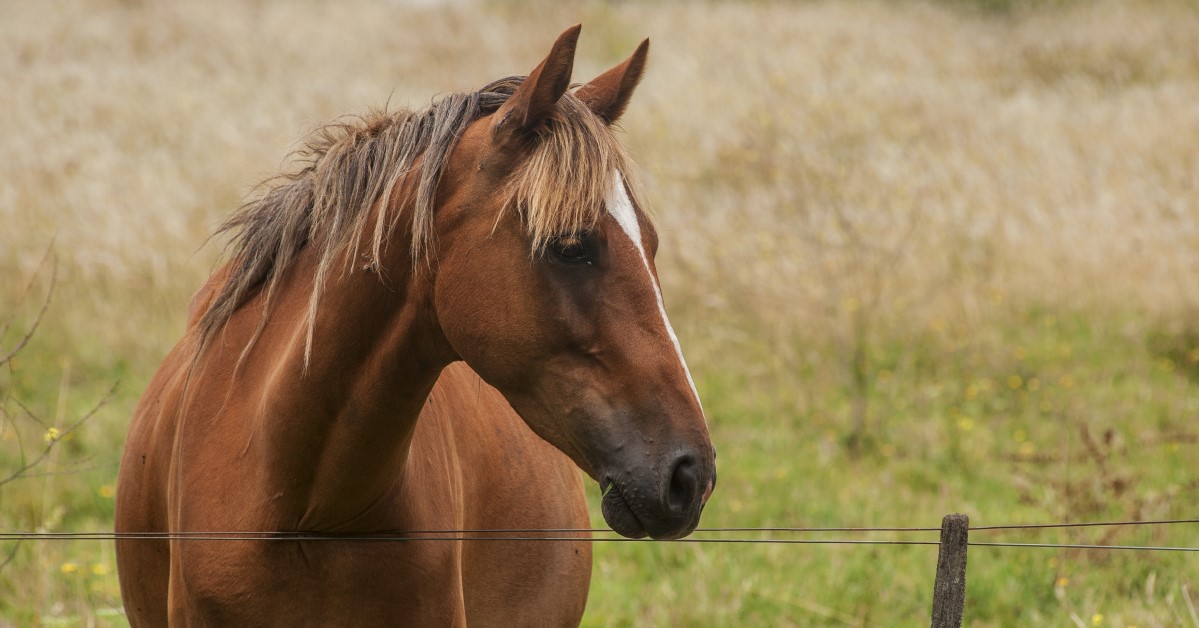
(545, 285)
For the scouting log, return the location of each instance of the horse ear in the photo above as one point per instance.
(537, 95)
(608, 94)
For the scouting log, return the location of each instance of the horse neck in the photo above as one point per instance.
(333, 432)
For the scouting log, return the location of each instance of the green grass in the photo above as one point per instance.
(1056, 417)
(43, 390)
(1061, 418)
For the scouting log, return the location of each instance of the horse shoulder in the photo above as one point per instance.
(141, 499)
(509, 478)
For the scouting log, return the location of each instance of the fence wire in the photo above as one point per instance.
(583, 535)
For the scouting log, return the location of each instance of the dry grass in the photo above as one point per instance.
(842, 155)
(830, 155)
(830, 178)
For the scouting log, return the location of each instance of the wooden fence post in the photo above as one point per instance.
(949, 591)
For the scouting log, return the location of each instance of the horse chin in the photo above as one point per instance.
(619, 516)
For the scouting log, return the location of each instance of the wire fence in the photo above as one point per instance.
(606, 536)
(949, 588)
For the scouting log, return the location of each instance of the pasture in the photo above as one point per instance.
(922, 258)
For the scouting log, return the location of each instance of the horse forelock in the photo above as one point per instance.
(354, 164)
(561, 186)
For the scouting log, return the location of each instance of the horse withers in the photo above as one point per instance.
(396, 312)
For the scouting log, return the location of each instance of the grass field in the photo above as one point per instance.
(922, 257)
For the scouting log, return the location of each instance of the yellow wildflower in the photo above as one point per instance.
(69, 567)
(52, 435)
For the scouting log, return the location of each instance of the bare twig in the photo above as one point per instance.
(31, 416)
(75, 470)
(12, 553)
(4, 325)
(21, 472)
(37, 320)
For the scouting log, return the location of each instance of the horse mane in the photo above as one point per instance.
(349, 166)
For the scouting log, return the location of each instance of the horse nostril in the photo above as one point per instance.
(684, 485)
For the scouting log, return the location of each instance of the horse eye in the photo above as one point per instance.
(571, 249)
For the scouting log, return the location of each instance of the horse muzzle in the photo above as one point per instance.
(664, 505)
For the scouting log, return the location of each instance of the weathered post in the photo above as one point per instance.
(949, 591)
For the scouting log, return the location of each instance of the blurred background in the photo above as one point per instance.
(923, 257)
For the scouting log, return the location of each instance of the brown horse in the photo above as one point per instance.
(397, 312)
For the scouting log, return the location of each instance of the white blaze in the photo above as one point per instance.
(621, 208)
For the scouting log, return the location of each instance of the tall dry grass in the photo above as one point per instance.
(806, 160)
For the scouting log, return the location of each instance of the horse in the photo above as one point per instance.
(430, 321)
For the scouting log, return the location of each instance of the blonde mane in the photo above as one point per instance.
(350, 166)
